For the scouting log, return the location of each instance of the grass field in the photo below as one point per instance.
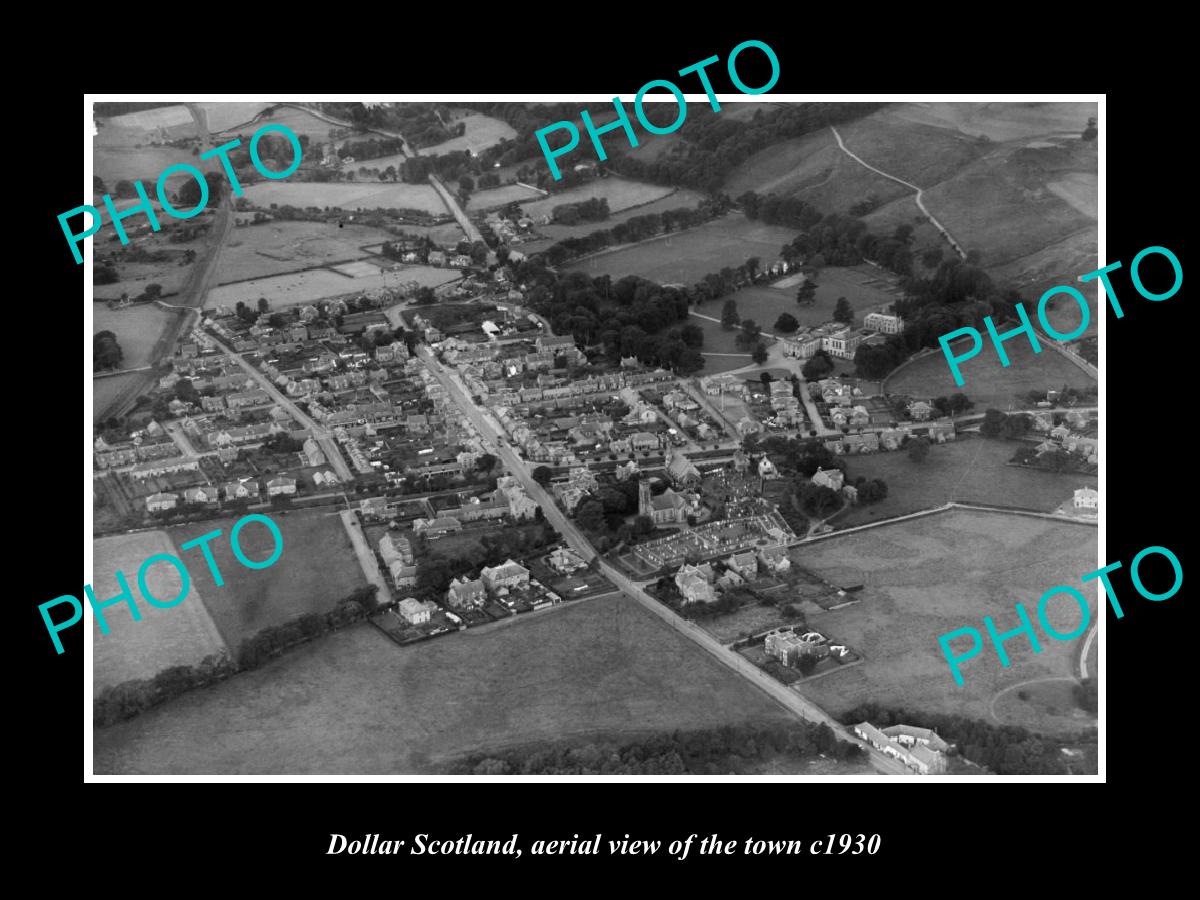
(985, 381)
(689, 255)
(305, 287)
(179, 636)
(106, 390)
(482, 132)
(1000, 121)
(257, 251)
(175, 121)
(492, 198)
(1047, 706)
(137, 328)
(223, 115)
(135, 277)
(969, 470)
(317, 568)
(356, 703)
(345, 195)
(681, 197)
(298, 120)
(621, 194)
(934, 575)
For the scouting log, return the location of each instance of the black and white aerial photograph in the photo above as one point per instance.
(465, 437)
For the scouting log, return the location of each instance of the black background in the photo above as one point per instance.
(285, 834)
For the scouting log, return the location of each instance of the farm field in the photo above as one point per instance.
(999, 121)
(345, 195)
(1047, 706)
(223, 115)
(298, 120)
(179, 636)
(985, 381)
(621, 193)
(482, 132)
(135, 277)
(356, 703)
(137, 328)
(315, 284)
(106, 390)
(969, 470)
(317, 569)
(689, 255)
(257, 251)
(930, 576)
(680, 197)
(493, 198)
(173, 121)
(114, 162)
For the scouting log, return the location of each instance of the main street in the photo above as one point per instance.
(328, 445)
(492, 433)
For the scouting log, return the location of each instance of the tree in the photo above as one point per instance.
(466, 183)
(843, 312)
(730, 317)
(152, 291)
(98, 185)
(818, 367)
(807, 292)
(765, 378)
(479, 252)
(786, 323)
(106, 352)
(1090, 132)
(643, 525)
(759, 354)
(543, 475)
(918, 449)
(390, 172)
(932, 258)
(872, 491)
(125, 188)
(590, 515)
(485, 463)
(263, 305)
(993, 423)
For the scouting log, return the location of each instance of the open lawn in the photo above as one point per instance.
(689, 255)
(305, 287)
(137, 328)
(345, 195)
(929, 576)
(482, 132)
(985, 381)
(356, 703)
(317, 569)
(969, 470)
(621, 193)
(257, 251)
(680, 197)
(179, 636)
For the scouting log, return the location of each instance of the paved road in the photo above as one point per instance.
(920, 203)
(366, 556)
(329, 447)
(1087, 645)
(492, 433)
(465, 223)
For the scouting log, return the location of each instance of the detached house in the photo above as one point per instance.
(465, 593)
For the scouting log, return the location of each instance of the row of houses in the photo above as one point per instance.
(244, 489)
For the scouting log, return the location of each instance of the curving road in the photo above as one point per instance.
(908, 184)
(493, 434)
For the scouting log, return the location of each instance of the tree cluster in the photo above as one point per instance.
(997, 424)
(594, 209)
(710, 751)
(106, 352)
(273, 640)
(634, 229)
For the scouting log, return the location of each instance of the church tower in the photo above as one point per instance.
(644, 507)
